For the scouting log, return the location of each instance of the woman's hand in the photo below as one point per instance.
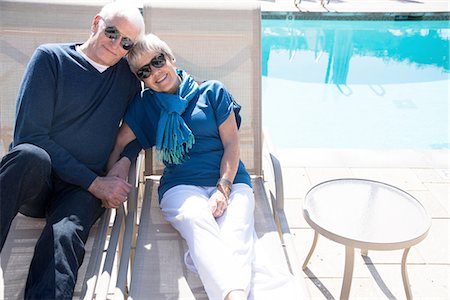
(120, 168)
(218, 203)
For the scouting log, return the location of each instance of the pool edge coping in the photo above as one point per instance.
(393, 16)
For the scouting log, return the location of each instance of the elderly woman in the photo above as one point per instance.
(205, 191)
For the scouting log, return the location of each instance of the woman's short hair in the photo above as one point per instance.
(149, 42)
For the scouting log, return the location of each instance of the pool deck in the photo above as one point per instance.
(424, 174)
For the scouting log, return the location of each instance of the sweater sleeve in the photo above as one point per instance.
(34, 115)
(142, 116)
(131, 151)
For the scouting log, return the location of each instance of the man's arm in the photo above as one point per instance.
(34, 118)
(36, 109)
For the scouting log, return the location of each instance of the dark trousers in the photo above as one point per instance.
(28, 185)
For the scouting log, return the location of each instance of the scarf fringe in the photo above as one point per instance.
(176, 154)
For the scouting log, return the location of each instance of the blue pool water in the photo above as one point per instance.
(356, 84)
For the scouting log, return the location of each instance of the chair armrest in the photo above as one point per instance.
(274, 175)
(130, 226)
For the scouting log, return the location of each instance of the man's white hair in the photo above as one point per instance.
(126, 10)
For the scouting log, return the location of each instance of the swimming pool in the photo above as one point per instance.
(356, 84)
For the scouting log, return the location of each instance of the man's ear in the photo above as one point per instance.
(95, 21)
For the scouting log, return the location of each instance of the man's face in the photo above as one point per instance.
(107, 48)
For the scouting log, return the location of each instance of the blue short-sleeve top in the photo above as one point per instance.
(204, 114)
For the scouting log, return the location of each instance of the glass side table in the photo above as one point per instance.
(367, 215)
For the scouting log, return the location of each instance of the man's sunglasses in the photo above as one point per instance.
(113, 33)
(158, 62)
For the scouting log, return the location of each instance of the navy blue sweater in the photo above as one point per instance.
(72, 111)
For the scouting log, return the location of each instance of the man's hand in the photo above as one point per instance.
(111, 190)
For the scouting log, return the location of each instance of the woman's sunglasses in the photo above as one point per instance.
(113, 33)
(158, 62)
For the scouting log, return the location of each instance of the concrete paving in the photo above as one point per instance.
(379, 275)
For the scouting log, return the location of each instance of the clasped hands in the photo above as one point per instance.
(113, 189)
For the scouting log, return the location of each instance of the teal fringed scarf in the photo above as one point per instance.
(173, 137)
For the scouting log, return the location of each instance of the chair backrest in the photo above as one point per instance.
(216, 40)
(23, 27)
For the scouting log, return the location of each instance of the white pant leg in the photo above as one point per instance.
(272, 281)
(237, 229)
(187, 209)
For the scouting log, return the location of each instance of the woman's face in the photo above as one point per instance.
(161, 72)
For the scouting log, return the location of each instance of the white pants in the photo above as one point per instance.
(222, 250)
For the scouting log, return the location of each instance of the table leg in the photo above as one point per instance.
(313, 246)
(405, 275)
(348, 272)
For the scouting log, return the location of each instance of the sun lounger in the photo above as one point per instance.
(24, 26)
(212, 40)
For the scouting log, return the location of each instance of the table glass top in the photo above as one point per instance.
(365, 210)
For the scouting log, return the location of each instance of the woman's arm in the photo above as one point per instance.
(120, 167)
(230, 139)
(229, 164)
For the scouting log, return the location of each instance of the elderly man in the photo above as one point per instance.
(70, 103)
